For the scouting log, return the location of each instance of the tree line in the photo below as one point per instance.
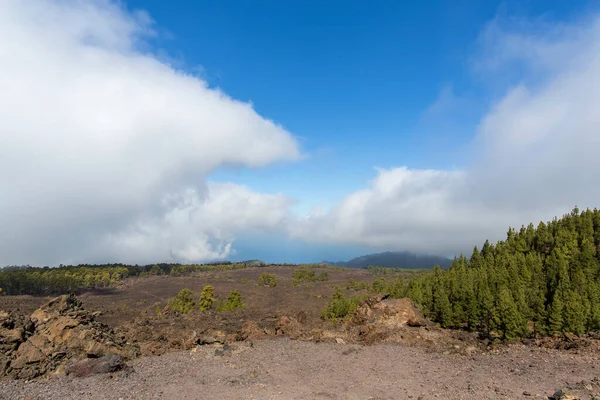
(541, 280)
(19, 280)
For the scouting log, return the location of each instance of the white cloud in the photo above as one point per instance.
(105, 149)
(94, 133)
(535, 154)
(192, 227)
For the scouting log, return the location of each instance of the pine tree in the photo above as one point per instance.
(507, 319)
(206, 298)
(555, 317)
(442, 307)
(573, 313)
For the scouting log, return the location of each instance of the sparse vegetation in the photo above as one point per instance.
(267, 280)
(17, 280)
(183, 302)
(304, 274)
(206, 298)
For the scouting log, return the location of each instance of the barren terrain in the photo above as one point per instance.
(287, 369)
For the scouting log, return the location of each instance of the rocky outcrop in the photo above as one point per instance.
(389, 314)
(57, 332)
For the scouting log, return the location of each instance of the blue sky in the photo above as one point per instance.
(401, 125)
(353, 80)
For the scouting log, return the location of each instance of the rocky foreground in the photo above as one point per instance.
(387, 350)
(290, 369)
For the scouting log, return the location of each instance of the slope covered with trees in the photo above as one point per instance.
(539, 281)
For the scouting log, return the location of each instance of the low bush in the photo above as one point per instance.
(304, 274)
(234, 300)
(355, 285)
(379, 285)
(301, 275)
(183, 302)
(267, 280)
(323, 276)
(340, 306)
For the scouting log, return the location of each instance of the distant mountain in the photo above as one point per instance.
(402, 259)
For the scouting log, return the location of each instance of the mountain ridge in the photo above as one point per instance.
(401, 259)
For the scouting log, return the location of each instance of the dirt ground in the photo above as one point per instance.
(288, 369)
(136, 296)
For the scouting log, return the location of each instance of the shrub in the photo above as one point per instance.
(301, 275)
(379, 285)
(340, 306)
(323, 276)
(206, 298)
(355, 285)
(267, 280)
(183, 302)
(234, 300)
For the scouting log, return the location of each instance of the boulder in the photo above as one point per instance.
(91, 366)
(58, 331)
(388, 313)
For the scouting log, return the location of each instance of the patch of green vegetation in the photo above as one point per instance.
(323, 276)
(340, 306)
(304, 274)
(323, 266)
(183, 302)
(17, 280)
(395, 271)
(206, 298)
(353, 284)
(267, 280)
(379, 285)
(301, 275)
(234, 300)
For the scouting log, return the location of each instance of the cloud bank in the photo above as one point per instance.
(101, 143)
(106, 149)
(534, 156)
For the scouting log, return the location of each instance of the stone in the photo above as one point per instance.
(562, 394)
(92, 366)
(60, 330)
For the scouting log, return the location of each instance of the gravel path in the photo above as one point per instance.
(286, 369)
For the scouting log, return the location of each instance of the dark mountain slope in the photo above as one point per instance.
(402, 259)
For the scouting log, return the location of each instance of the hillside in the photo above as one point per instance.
(402, 259)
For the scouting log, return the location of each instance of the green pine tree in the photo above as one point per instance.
(206, 298)
(508, 320)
